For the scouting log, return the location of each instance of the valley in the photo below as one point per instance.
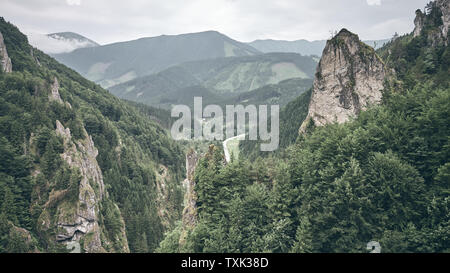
(89, 162)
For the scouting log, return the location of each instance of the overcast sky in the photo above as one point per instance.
(107, 21)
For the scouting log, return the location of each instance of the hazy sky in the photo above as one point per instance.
(107, 21)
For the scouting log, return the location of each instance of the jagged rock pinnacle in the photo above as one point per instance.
(5, 61)
(349, 78)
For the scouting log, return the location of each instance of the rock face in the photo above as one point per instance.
(189, 217)
(190, 198)
(350, 77)
(5, 61)
(163, 196)
(444, 6)
(73, 214)
(437, 36)
(55, 92)
(419, 22)
(83, 220)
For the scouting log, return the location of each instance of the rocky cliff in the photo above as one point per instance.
(5, 61)
(76, 223)
(444, 6)
(189, 218)
(349, 78)
(437, 14)
(418, 23)
(55, 92)
(77, 219)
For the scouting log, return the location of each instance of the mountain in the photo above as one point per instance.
(280, 94)
(116, 63)
(342, 92)
(78, 166)
(61, 42)
(303, 47)
(216, 79)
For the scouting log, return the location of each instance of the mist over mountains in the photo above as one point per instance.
(61, 42)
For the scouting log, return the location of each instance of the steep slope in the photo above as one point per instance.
(350, 77)
(292, 116)
(61, 42)
(217, 79)
(119, 62)
(302, 47)
(78, 167)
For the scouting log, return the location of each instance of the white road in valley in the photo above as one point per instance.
(225, 147)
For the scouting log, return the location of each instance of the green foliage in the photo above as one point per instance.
(274, 78)
(291, 118)
(383, 177)
(131, 146)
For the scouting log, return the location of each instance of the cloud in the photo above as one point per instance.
(56, 45)
(73, 2)
(108, 21)
(373, 2)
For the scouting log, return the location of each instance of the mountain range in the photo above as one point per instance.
(363, 155)
(171, 69)
(217, 80)
(119, 62)
(303, 47)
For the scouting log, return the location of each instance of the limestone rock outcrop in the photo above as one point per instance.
(350, 77)
(439, 35)
(419, 23)
(190, 198)
(444, 6)
(73, 224)
(189, 217)
(55, 91)
(5, 61)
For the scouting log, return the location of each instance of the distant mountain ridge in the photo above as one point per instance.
(115, 63)
(303, 47)
(220, 79)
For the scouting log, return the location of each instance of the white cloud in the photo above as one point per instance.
(373, 2)
(55, 45)
(73, 2)
(107, 21)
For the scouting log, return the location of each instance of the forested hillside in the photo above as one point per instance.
(78, 164)
(120, 62)
(222, 80)
(383, 176)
